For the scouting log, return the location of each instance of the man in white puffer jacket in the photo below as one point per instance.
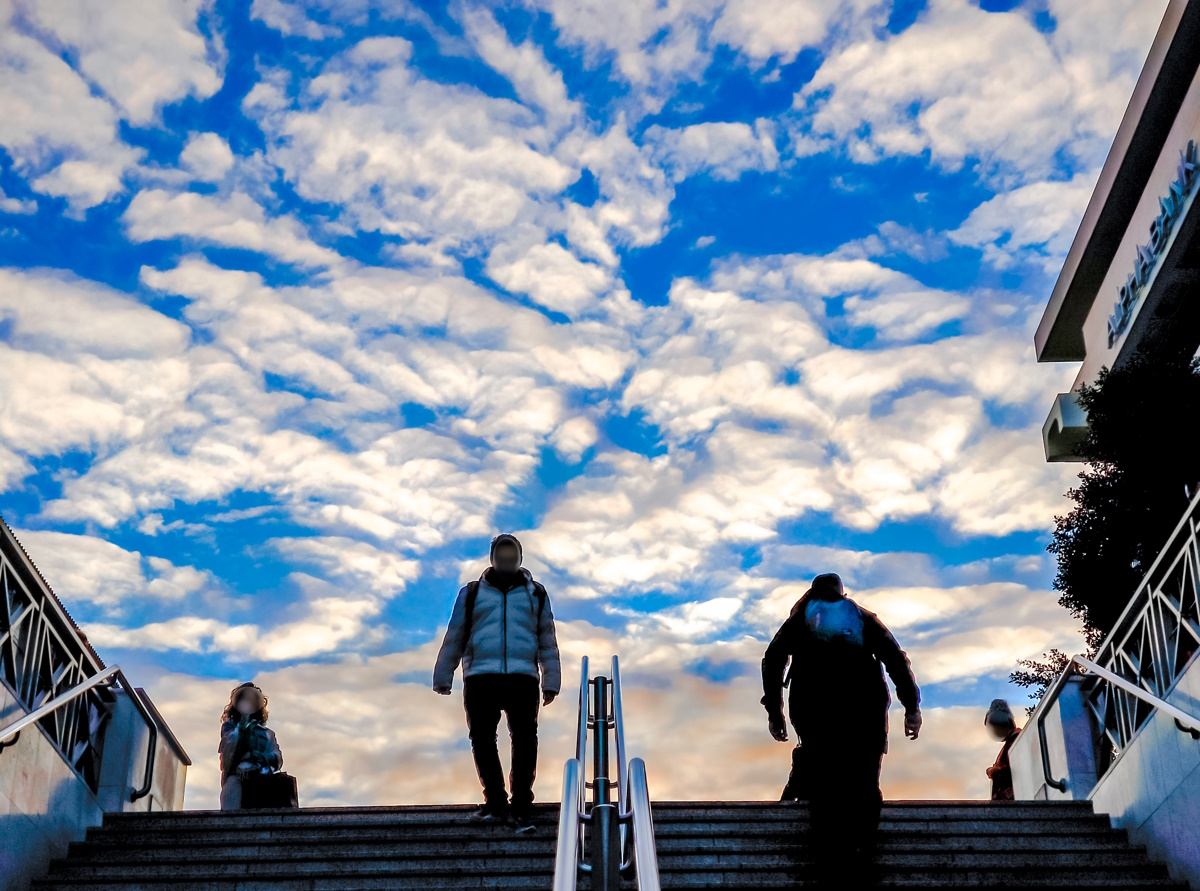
(502, 630)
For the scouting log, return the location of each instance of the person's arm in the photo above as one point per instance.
(899, 669)
(274, 754)
(547, 652)
(454, 644)
(774, 663)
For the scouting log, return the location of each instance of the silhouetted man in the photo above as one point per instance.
(838, 705)
(502, 630)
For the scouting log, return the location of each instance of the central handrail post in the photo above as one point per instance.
(606, 833)
(612, 821)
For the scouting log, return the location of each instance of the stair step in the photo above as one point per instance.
(727, 845)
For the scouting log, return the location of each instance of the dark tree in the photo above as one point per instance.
(1141, 469)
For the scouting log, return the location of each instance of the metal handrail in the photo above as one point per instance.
(112, 672)
(619, 735)
(1181, 717)
(634, 799)
(568, 859)
(633, 794)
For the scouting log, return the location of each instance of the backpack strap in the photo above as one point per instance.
(539, 591)
(472, 594)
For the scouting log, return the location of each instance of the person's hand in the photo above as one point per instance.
(912, 724)
(778, 728)
(548, 697)
(442, 691)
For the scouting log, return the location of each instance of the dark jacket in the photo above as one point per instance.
(252, 742)
(1000, 773)
(837, 687)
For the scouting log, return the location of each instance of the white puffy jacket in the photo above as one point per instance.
(506, 636)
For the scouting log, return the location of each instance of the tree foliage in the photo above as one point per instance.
(1141, 468)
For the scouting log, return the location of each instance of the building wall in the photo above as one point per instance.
(45, 805)
(1095, 328)
(1153, 788)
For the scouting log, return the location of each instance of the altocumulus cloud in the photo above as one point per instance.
(300, 302)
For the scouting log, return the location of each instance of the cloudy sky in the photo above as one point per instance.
(300, 303)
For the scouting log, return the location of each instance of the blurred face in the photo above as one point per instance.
(247, 703)
(999, 731)
(507, 558)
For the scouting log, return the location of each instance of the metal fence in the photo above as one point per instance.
(1152, 644)
(42, 655)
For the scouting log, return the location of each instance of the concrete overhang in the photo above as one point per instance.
(1170, 66)
(1065, 430)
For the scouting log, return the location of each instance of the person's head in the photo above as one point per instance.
(506, 553)
(828, 586)
(246, 701)
(999, 719)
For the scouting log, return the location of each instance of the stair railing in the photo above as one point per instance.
(1184, 721)
(113, 672)
(601, 710)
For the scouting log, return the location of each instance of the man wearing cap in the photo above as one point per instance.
(838, 705)
(502, 630)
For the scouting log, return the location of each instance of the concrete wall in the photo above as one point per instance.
(1069, 743)
(45, 805)
(1152, 789)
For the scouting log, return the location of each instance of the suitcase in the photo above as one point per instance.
(263, 790)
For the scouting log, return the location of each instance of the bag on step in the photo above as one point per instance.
(269, 790)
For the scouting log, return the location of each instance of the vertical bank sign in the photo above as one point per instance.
(1170, 209)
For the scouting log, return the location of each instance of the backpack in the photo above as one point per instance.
(473, 592)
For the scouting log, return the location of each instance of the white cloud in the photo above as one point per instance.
(51, 118)
(16, 205)
(236, 221)
(207, 156)
(1034, 223)
(723, 150)
(409, 156)
(290, 20)
(536, 82)
(356, 562)
(965, 84)
(551, 275)
(141, 53)
(766, 28)
(574, 437)
(329, 623)
(653, 46)
(85, 568)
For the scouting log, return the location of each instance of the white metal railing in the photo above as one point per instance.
(608, 819)
(1148, 650)
(43, 655)
(113, 672)
(1184, 721)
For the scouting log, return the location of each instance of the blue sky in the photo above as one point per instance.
(302, 302)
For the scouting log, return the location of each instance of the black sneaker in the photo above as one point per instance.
(490, 813)
(523, 820)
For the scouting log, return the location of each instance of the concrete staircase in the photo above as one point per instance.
(921, 844)
(701, 845)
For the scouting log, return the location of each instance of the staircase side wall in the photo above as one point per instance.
(1153, 788)
(1069, 744)
(45, 805)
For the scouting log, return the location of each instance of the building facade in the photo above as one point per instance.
(1122, 729)
(1131, 280)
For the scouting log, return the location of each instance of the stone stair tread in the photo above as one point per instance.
(728, 845)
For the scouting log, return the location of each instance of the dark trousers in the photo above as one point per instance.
(838, 771)
(485, 696)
